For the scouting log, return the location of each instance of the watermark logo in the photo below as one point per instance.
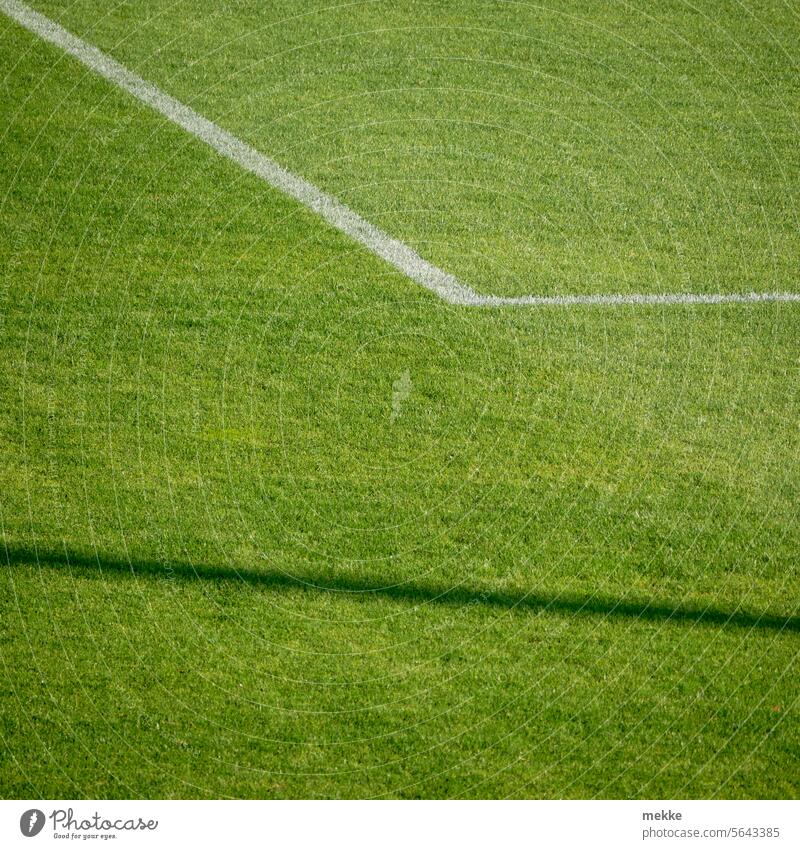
(65, 823)
(401, 389)
(31, 822)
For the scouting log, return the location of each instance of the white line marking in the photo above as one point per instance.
(621, 300)
(402, 257)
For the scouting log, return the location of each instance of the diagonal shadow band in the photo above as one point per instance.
(409, 593)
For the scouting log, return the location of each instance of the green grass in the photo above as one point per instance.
(569, 566)
(528, 150)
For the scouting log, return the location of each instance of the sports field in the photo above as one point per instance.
(279, 521)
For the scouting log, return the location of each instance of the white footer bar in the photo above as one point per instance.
(416, 824)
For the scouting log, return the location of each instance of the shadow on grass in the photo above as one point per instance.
(409, 593)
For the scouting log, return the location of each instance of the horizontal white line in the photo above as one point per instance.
(397, 254)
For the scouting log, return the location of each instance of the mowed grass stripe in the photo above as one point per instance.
(340, 216)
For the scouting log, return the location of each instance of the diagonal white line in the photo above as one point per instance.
(333, 211)
(397, 254)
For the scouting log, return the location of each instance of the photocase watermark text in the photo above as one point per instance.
(65, 824)
(66, 820)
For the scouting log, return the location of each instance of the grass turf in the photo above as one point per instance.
(565, 566)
